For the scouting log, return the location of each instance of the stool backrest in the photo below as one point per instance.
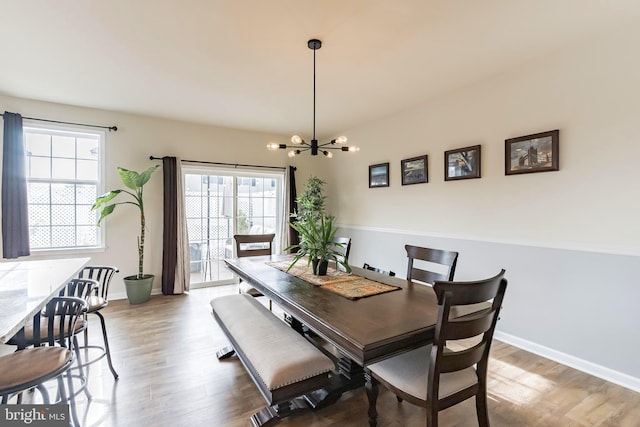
(81, 288)
(62, 315)
(102, 274)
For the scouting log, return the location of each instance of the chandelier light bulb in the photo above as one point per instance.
(354, 149)
(272, 146)
(329, 154)
(295, 139)
(341, 139)
(292, 153)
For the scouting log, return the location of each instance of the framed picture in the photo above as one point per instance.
(463, 163)
(414, 170)
(532, 153)
(379, 175)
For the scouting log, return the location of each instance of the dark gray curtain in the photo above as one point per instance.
(15, 214)
(170, 225)
(293, 205)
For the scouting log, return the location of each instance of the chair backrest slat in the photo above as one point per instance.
(456, 361)
(244, 241)
(378, 270)
(469, 327)
(447, 259)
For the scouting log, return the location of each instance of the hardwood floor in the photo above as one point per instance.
(164, 351)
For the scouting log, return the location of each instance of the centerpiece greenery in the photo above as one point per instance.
(138, 286)
(316, 242)
(311, 201)
(316, 231)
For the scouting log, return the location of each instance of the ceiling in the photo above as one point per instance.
(245, 63)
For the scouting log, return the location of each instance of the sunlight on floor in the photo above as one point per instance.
(513, 384)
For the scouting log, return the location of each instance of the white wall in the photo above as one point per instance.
(577, 302)
(590, 93)
(137, 138)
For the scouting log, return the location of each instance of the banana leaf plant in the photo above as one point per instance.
(135, 182)
(317, 242)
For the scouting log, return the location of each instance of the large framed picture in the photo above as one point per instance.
(379, 175)
(462, 163)
(414, 170)
(532, 153)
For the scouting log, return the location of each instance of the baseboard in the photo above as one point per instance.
(590, 368)
(123, 295)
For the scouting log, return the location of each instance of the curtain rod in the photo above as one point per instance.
(225, 164)
(111, 128)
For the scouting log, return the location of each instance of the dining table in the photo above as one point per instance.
(365, 330)
(27, 286)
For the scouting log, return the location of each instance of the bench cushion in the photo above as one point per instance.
(279, 355)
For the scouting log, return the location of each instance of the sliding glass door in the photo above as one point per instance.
(220, 203)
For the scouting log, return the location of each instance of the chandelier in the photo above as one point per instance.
(299, 144)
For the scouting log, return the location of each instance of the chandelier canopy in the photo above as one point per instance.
(299, 144)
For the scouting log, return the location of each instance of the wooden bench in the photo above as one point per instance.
(281, 362)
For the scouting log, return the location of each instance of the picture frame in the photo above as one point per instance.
(415, 170)
(379, 175)
(462, 163)
(538, 152)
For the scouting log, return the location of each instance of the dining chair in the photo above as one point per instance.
(31, 368)
(378, 270)
(344, 245)
(438, 376)
(253, 245)
(440, 264)
(99, 300)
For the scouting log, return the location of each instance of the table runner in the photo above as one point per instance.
(340, 282)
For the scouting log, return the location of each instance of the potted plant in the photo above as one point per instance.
(311, 201)
(316, 242)
(138, 286)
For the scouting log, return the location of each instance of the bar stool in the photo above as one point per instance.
(103, 275)
(37, 333)
(32, 367)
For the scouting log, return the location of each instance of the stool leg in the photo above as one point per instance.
(72, 399)
(84, 377)
(106, 345)
(86, 331)
(45, 394)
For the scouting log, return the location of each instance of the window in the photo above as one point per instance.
(220, 203)
(63, 180)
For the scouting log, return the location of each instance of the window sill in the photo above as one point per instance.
(36, 253)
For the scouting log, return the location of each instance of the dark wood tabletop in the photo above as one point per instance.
(366, 330)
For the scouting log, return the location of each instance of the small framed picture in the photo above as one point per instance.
(462, 163)
(532, 153)
(414, 170)
(379, 175)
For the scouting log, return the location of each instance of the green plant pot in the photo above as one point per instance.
(138, 290)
